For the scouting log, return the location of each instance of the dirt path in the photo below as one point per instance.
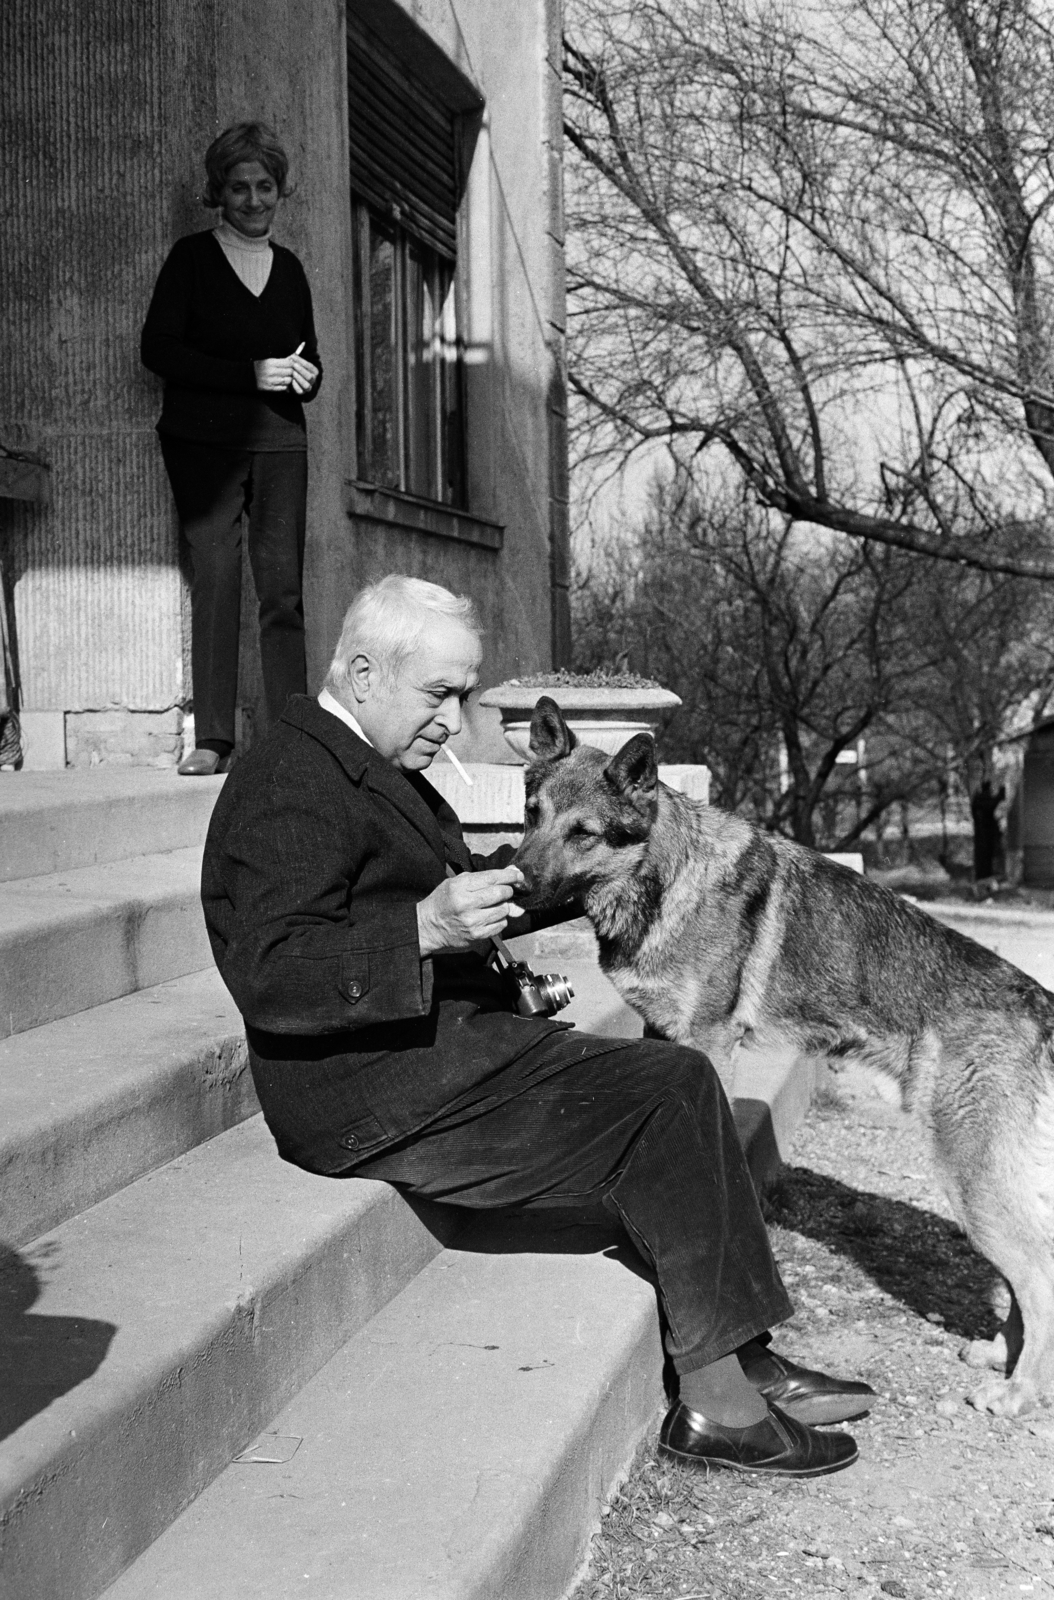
(944, 1500)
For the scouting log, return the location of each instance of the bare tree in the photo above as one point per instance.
(785, 655)
(819, 238)
(993, 643)
(790, 648)
(991, 638)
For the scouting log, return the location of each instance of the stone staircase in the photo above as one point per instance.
(463, 1396)
(223, 1377)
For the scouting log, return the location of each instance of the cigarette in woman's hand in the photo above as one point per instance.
(299, 347)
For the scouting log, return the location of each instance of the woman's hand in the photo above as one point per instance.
(471, 906)
(304, 374)
(274, 373)
(286, 372)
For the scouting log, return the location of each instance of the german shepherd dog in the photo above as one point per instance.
(721, 935)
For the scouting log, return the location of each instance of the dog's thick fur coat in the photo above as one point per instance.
(720, 935)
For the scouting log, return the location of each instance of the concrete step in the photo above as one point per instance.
(461, 1445)
(91, 1102)
(145, 1342)
(53, 821)
(147, 1339)
(71, 940)
(459, 1448)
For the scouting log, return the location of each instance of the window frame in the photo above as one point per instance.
(445, 473)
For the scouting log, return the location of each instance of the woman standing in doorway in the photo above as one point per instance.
(231, 331)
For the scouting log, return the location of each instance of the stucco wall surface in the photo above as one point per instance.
(511, 274)
(106, 113)
(85, 118)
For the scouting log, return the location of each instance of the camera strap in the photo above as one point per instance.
(500, 947)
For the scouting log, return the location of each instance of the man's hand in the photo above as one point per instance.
(469, 907)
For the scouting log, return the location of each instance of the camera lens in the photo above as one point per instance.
(557, 991)
(539, 996)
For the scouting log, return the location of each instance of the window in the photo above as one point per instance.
(407, 363)
(405, 172)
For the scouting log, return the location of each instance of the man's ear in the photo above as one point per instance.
(361, 676)
(633, 771)
(551, 738)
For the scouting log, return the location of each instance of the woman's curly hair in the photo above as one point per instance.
(244, 141)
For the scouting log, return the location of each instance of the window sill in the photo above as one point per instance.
(421, 516)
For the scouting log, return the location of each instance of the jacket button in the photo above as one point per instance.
(354, 991)
(349, 1141)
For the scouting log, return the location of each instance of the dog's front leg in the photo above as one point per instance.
(1000, 1354)
(1029, 1336)
(720, 1043)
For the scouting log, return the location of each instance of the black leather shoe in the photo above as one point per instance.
(807, 1396)
(776, 1445)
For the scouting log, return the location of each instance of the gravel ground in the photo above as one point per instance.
(944, 1500)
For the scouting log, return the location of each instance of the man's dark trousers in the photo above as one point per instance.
(371, 1060)
(642, 1128)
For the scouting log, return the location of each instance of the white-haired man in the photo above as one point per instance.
(346, 916)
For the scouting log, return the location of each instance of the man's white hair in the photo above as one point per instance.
(384, 622)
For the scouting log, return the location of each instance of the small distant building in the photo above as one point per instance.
(1030, 824)
(425, 139)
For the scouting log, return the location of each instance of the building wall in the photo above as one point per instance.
(1035, 810)
(97, 595)
(106, 114)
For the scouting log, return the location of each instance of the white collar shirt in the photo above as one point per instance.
(330, 703)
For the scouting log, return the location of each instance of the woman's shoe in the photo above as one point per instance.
(777, 1445)
(202, 764)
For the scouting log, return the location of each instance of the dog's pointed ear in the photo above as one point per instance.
(551, 738)
(633, 771)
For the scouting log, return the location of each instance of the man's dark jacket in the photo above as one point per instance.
(317, 855)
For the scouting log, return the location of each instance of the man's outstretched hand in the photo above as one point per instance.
(472, 906)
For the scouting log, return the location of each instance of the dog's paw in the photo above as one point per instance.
(985, 1353)
(1011, 1399)
(1000, 1298)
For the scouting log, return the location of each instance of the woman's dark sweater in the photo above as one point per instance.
(204, 330)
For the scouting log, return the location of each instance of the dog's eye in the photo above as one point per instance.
(585, 838)
(530, 815)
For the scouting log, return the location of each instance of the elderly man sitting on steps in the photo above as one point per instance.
(346, 917)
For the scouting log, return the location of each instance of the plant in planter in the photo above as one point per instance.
(603, 709)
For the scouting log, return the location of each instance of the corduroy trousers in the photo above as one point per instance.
(641, 1128)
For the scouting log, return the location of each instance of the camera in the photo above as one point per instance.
(539, 994)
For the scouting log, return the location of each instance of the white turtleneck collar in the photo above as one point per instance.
(250, 258)
(238, 241)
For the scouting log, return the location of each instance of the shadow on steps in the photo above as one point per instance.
(41, 1357)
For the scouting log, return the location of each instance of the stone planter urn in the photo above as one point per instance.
(603, 714)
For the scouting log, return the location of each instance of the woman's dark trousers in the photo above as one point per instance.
(213, 488)
(643, 1129)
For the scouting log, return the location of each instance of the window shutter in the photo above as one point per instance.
(403, 150)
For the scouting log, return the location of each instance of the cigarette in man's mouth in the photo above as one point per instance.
(458, 768)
